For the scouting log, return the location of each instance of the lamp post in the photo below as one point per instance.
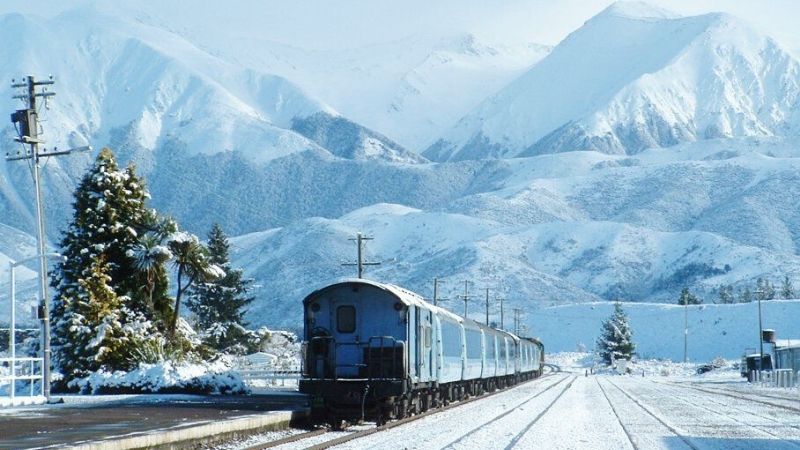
(12, 266)
(759, 294)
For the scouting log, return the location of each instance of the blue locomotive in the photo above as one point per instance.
(377, 351)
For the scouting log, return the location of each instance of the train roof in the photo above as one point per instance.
(410, 298)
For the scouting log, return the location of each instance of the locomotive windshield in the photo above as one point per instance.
(346, 319)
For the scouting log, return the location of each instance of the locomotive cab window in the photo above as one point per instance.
(346, 319)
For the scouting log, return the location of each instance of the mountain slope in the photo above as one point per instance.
(635, 77)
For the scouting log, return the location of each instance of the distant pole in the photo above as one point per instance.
(360, 241)
(517, 319)
(760, 294)
(487, 307)
(12, 345)
(435, 292)
(501, 313)
(466, 297)
(685, 331)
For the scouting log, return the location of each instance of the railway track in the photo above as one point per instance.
(672, 429)
(616, 414)
(346, 436)
(731, 417)
(509, 411)
(522, 433)
(739, 395)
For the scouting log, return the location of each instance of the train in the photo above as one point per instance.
(376, 351)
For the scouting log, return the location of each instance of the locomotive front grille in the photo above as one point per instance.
(383, 362)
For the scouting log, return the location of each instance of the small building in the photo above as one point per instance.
(787, 356)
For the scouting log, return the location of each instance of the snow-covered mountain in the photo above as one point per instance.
(549, 229)
(635, 77)
(233, 138)
(412, 90)
(140, 89)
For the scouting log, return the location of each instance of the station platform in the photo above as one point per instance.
(146, 421)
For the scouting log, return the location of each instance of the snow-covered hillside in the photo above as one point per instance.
(232, 138)
(139, 89)
(658, 329)
(636, 77)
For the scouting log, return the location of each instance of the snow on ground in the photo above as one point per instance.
(580, 362)
(714, 330)
(573, 411)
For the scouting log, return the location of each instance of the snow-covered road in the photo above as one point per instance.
(571, 411)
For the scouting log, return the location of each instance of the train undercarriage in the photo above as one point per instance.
(343, 402)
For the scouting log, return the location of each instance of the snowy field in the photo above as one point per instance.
(714, 330)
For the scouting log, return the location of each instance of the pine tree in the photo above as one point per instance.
(615, 341)
(219, 305)
(745, 296)
(769, 291)
(726, 294)
(764, 290)
(110, 215)
(687, 298)
(787, 290)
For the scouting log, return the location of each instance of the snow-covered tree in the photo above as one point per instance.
(764, 290)
(687, 298)
(745, 296)
(787, 290)
(725, 294)
(219, 305)
(110, 215)
(616, 342)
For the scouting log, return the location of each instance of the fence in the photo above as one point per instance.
(782, 378)
(262, 377)
(22, 369)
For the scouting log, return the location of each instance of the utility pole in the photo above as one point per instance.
(759, 295)
(26, 122)
(487, 307)
(685, 331)
(360, 238)
(501, 299)
(466, 296)
(436, 298)
(517, 320)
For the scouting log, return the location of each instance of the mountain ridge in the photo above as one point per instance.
(662, 81)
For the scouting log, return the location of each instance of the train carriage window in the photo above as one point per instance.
(427, 336)
(346, 319)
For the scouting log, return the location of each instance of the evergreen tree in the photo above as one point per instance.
(219, 305)
(687, 298)
(745, 296)
(109, 217)
(769, 290)
(787, 290)
(615, 341)
(764, 290)
(726, 294)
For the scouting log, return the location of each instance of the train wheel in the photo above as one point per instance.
(336, 423)
(402, 408)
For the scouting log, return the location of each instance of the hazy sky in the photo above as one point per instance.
(354, 23)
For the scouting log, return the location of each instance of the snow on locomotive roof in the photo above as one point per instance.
(412, 298)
